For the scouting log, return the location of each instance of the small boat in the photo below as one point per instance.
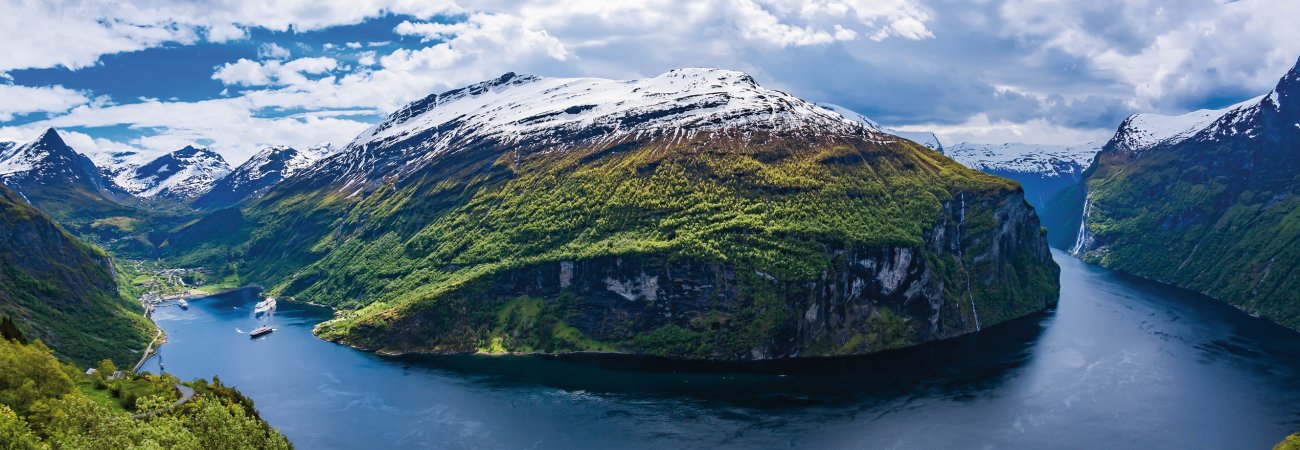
(183, 304)
(264, 306)
(260, 331)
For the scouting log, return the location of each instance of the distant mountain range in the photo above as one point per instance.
(264, 170)
(179, 175)
(122, 179)
(1046, 172)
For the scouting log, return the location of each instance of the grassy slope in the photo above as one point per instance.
(62, 291)
(1175, 217)
(775, 207)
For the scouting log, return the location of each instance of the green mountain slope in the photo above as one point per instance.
(63, 291)
(732, 243)
(1218, 212)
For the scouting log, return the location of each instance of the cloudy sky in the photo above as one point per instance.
(239, 75)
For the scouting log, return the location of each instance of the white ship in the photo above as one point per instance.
(260, 331)
(264, 306)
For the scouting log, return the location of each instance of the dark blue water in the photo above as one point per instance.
(1121, 363)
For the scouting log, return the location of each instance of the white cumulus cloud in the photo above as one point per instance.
(18, 100)
(246, 72)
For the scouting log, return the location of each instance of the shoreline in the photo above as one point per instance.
(196, 293)
(160, 337)
(744, 365)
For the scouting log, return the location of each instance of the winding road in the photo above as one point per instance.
(186, 394)
(148, 350)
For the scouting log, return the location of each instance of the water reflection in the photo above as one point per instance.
(1122, 362)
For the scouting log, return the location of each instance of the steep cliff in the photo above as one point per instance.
(969, 272)
(1214, 207)
(63, 291)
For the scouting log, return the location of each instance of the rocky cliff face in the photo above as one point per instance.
(869, 299)
(964, 277)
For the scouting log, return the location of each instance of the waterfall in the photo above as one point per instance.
(973, 310)
(961, 222)
(1080, 239)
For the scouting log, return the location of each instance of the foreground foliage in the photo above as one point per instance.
(46, 404)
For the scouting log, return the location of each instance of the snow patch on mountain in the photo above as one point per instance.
(12, 161)
(182, 174)
(518, 107)
(1140, 132)
(280, 162)
(531, 113)
(114, 163)
(1048, 160)
(259, 173)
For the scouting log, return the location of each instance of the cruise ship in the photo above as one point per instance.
(264, 329)
(264, 306)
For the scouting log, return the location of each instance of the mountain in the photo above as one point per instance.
(179, 175)
(61, 290)
(694, 214)
(60, 181)
(925, 138)
(114, 163)
(44, 160)
(1048, 161)
(1209, 201)
(1141, 132)
(1046, 172)
(252, 178)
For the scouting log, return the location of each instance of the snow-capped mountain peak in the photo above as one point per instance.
(1047, 160)
(1142, 131)
(529, 114)
(182, 174)
(112, 163)
(265, 169)
(48, 164)
(279, 161)
(46, 156)
(524, 107)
